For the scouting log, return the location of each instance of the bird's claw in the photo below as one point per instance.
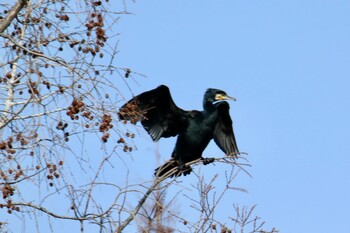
(183, 169)
(207, 161)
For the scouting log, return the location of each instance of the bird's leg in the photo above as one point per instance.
(207, 161)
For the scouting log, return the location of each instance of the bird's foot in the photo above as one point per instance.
(184, 169)
(207, 161)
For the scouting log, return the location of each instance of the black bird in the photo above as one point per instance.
(160, 116)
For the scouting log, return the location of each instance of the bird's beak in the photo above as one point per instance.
(224, 97)
(230, 98)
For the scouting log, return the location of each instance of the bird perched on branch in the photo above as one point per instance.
(160, 117)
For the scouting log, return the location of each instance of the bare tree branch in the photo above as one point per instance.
(49, 212)
(12, 14)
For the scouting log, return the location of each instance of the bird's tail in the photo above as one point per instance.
(172, 168)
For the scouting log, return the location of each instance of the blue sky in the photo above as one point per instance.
(287, 63)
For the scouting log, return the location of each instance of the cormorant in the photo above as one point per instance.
(160, 117)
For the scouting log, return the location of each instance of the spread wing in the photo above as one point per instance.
(224, 136)
(157, 112)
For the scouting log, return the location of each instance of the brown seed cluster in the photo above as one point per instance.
(121, 140)
(225, 230)
(39, 23)
(8, 75)
(131, 135)
(7, 145)
(16, 141)
(13, 173)
(88, 115)
(106, 123)
(61, 126)
(66, 136)
(33, 88)
(18, 174)
(22, 139)
(130, 112)
(53, 171)
(28, 46)
(61, 89)
(105, 126)
(95, 23)
(61, 15)
(47, 84)
(3, 176)
(126, 148)
(75, 108)
(7, 190)
(105, 137)
(97, 3)
(10, 207)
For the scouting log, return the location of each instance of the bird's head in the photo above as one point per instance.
(212, 95)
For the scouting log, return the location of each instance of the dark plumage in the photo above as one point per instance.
(160, 116)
